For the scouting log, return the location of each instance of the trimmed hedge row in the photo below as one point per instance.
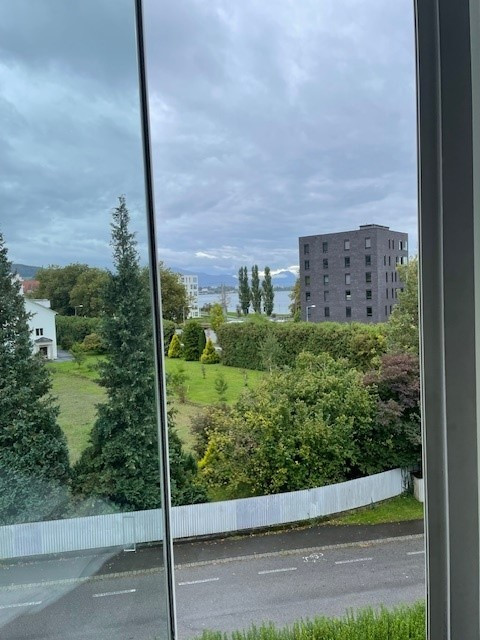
(71, 329)
(361, 344)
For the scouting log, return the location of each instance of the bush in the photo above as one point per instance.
(93, 344)
(193, 339)
(168, 333)
(71, 329)
(175, 348)
(361, 344)
(209, 355)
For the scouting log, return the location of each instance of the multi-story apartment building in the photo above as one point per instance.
(351, 276)
(191, 286)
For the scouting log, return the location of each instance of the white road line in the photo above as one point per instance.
(20, 604)
(414, 553)
(262, 573)
(181, 584)
(356, 560)
(113, 593)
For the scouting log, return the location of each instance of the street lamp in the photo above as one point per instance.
(79, 306)
(311, 306)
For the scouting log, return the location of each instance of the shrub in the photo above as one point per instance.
(168, 332)
(193, 339)
(242, 344)
(93, 343)
(78, 353)
(175, 348)
(71, 329)
(209, 355)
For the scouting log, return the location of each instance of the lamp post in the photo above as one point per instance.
(79, 306)
(311, 306)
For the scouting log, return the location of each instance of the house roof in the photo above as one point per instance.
(39, 306)
(43, 340)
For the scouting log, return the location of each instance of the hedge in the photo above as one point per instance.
(361, 344)
(71, 329)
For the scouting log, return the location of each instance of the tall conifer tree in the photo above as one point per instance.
(243, 290)
(268, 293)
(121, 465)
(34, 465)
(256, 292)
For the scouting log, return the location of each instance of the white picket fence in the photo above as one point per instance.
(127, 529)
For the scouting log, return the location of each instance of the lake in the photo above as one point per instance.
(281, 300)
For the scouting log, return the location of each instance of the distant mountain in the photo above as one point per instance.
(283, 279)
(25, 270)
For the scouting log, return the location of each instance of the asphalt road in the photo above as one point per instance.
(110, 597)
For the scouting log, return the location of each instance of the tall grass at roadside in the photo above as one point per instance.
(403, 623)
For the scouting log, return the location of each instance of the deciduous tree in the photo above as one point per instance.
(244, 296)
(402, 326)
(217, 317)
(255, 290)
(57, 283)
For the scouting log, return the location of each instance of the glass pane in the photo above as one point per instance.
(80, 491)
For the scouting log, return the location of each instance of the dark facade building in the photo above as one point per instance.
(351, 276)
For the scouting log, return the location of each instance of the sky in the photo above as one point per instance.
(270, 120)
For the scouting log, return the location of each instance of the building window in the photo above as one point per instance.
(325, 247)
(389, 261)
(392, 276)
(369, 312)
(396, 294)
(307, 265)
(396, 259)
(368, 276)
(325, 296)
(368, 294)
(346, 245)
(325, 279)
(384, 261)
(368, 261)
(347, 278)
(348, 312)
(307, 281)
(393, 293)
(347, 262)
(386, 276)
(348, 294)
(390, 308)
(368, 243)
(389, 244)
(306, 248)
(386, 291)
(405, 245)
(400, 245)
(39, 332)
(327, 312)
(325, 263)
(307, 296)
(386, 310)
(395, 276)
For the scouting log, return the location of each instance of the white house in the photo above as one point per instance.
(191, 287)
(42, 327)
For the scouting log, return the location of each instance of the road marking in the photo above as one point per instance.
(20, 604)
(113, 593)
(355, 560)
(313, 557)
(181, 584)
(414, 553)
(262, 573)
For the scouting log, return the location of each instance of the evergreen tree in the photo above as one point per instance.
(121, 464)
(267, 292)
(175, 348)
(255, 291)
(34, 465)
(194, 340)
(243, 290)
(209, 355)
(217, 317)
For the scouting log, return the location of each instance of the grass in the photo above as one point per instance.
(78, 393)
(399, 509)
(201, 390)
(402, 623)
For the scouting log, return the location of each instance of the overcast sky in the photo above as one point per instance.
(271, 119)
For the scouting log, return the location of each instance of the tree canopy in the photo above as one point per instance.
(402, 326)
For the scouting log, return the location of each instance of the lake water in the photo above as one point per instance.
(281, 300)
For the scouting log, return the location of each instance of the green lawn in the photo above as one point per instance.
(78, 394)
(202, 390)
(404, 507)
